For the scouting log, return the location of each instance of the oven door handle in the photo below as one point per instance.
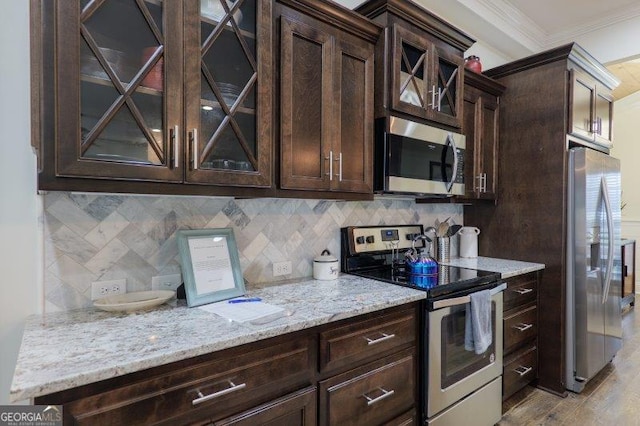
(455, 301)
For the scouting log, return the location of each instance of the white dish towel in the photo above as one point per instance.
(478, 333)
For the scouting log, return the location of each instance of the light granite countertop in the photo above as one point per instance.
(67, 349)
(507, 268)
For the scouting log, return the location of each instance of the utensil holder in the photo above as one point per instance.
(442, 249)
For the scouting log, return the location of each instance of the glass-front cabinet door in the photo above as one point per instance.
(426, 80)
(119, 89)
(228, 92)
(447, 79)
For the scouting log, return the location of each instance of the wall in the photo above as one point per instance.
(103, 237)
(20, 235)
(626, 147)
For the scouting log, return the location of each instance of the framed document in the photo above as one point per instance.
(210, 265)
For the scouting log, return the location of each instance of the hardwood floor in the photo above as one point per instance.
(611, 398)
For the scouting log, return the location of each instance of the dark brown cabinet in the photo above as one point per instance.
(361, 371)
(420, 65)
(529, 221)
(591, 109)
(481, 128)
(326, 103)
(141, 93)
(520, 361)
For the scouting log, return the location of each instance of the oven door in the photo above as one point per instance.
(453, 372)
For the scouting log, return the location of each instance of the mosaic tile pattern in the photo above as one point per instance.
(93, 237)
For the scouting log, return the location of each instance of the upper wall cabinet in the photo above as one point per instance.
(481, 127)
(591, 108)
(420, 66)
(153, 91)
(326, 60)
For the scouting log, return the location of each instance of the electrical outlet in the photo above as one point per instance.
(166, 282)
(282, 268)
(108, 288)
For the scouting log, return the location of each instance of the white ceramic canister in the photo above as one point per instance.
(469, 241)
(326, 266)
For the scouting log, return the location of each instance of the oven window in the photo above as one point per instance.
(416, 159)
(457, 362)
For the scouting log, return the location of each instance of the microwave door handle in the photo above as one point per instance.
(451, 141)
(607, 205)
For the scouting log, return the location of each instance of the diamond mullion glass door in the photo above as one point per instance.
(114, 120)
(225, 108)
(410, 75)
(448, 80)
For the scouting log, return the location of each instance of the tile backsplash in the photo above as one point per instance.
(93, 237)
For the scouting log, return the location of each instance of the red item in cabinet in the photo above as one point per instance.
(473, 63)
(154, 78)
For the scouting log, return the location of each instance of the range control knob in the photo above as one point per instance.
(370, 239)
(359, 240)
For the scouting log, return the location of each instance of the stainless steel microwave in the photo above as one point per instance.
(414, 158)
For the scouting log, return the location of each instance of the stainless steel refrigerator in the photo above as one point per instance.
(594, 319)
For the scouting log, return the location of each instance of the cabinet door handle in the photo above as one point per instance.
(339, 160)
(194, 148)
(522, 291)
(379, 340)
(433, 97)
(176, 145)
(330, 158)
(385, 394)
(522, 326)
(522, 370)
(203, 398)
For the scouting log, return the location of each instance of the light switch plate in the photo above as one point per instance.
(166, 282)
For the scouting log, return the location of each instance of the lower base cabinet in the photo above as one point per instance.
(359, 371)
(371, 394)
(520, 359)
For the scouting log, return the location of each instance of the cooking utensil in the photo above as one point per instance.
(453, 230)
(442, 229)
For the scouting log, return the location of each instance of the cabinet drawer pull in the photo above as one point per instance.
(522, 291)
(385, 394)
(522, 326)
(203, 398)
(522, 370)
(379, 340)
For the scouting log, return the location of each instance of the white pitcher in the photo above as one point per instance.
(469, 241)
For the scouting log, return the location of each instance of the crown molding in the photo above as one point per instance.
(615, 17)
(509, 20)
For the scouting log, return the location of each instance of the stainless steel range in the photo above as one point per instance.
(457, 385)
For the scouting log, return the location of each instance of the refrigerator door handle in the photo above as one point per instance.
(607, 206)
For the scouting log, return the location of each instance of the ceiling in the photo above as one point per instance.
(560, 19)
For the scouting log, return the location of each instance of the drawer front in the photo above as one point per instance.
(520, 371)
(410, 418)
(296, 409)
(210, 389)
(519, 327)
(373, 394)
(356, 342)
(520, 290)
